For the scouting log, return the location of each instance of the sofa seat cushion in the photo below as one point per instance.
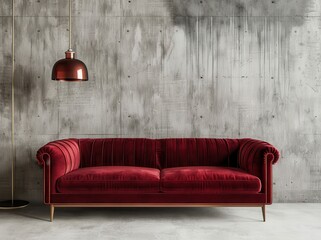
(203, 179)
(107, 179)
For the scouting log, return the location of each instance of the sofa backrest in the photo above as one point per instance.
(199, 152)
(158, 153)
(119, 152)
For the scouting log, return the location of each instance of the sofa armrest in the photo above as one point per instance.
(252, 154)
(57, 158)
(257, 157)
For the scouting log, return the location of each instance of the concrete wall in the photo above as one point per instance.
(167, 68)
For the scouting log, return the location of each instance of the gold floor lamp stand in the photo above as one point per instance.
(13, 204)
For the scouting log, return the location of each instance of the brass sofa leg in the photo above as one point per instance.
(263, 212)
(52, 211)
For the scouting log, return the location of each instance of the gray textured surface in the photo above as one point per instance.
(167, 68)
(284, 221)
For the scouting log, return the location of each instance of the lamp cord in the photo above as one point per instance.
(69, 25)
(13, 150)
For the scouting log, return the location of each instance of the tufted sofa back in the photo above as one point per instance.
(199, 152)
(119, 152)
(158, 153)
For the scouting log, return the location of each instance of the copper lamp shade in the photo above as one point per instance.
(69, 69)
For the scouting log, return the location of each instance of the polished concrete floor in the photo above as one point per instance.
(284, 221)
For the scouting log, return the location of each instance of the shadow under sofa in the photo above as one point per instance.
(180, 172)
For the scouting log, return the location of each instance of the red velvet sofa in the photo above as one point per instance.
(157, 172)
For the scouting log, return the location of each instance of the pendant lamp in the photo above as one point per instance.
(69, 69)
(13, 203)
